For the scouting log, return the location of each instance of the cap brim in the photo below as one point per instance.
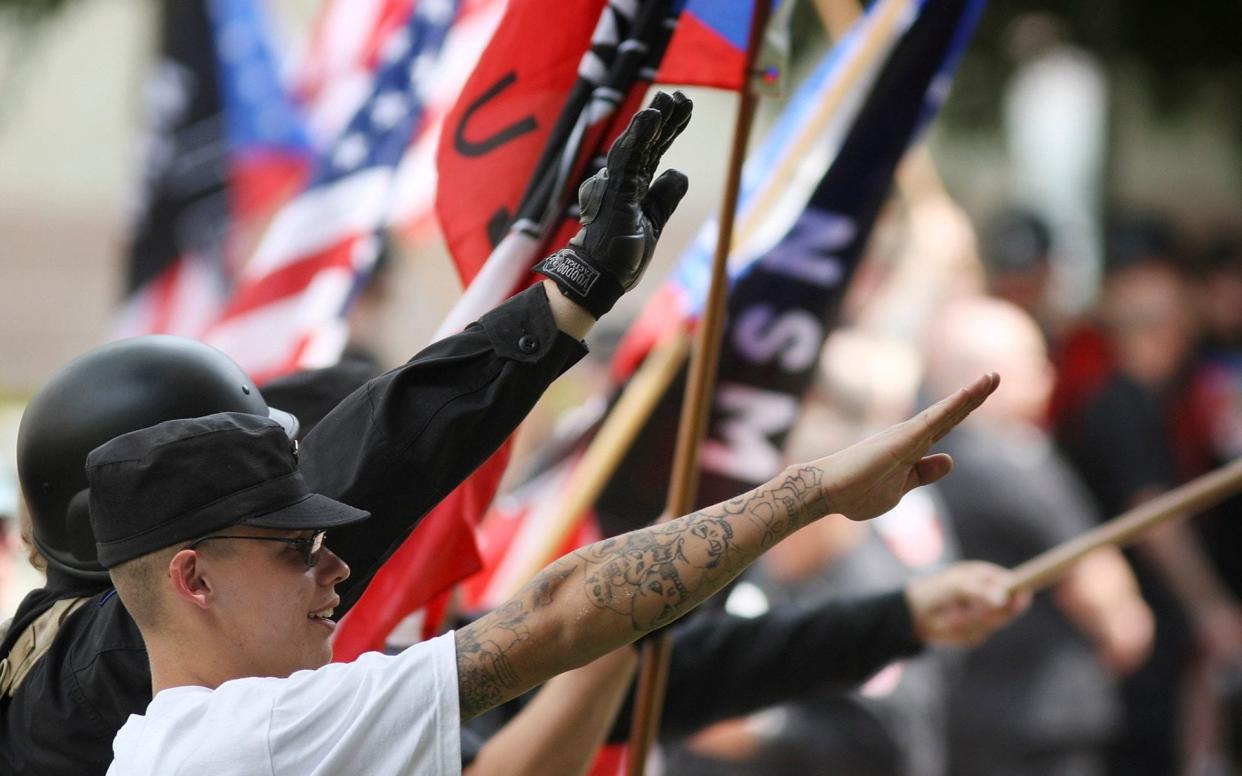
(311, 512)
(286, 420)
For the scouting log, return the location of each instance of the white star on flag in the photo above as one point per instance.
(389, 109)
(350, 152)
(398, 45)
(436, 11)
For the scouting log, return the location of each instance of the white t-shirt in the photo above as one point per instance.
(377, 715)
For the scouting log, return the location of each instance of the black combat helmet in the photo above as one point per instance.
(109, 391)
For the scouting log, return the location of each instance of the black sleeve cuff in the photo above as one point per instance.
(523, 329)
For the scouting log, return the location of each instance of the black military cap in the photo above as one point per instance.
(183, 479)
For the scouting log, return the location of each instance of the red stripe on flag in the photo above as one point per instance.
(164, 296)
(291, 279)
(439, 553)
(291, 364)
(265, 180)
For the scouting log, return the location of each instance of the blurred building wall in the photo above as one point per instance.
(67, 148)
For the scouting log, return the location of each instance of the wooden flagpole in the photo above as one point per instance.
(696, 406)
(1204, 491)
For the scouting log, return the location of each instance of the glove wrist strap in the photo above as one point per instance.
(581, 280)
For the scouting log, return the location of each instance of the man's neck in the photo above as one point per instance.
(171, 666)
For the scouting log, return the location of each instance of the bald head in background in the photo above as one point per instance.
(974, 332)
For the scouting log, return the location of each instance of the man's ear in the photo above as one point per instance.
(186, 570)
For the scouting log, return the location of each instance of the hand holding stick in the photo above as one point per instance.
(1204, 491)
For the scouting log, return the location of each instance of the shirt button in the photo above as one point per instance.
(528, 344)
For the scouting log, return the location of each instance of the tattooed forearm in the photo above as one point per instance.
(648, 577)
(781, 510)
(655, 575)
(486, 676)
(605, 595)
(485, 673)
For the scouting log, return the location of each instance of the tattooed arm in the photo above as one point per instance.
(612, 592)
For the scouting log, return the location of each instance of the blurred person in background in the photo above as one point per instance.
(1017, 263)
(1123, 433)
(1209, 434)
(894, 723)
(1039, 697)
(1055, 121)
(1083, 354)
(1215, 393)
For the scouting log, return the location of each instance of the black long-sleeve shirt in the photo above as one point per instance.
(395, 447)
(725, 666)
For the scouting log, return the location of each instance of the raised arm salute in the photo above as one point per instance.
(387, 449)
(614, 591)
(216, 548)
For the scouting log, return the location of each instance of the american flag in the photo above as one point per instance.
(271, 152)
(287, 311)
(335, 76)
(341, 62)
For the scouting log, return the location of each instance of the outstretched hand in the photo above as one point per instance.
(867, 479)
(623, 211)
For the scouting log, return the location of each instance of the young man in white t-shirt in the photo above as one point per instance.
(216, 548)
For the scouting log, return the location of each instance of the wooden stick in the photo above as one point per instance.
(696, 406)
(838, 16)
(1048, 567)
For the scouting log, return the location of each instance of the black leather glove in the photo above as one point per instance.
(623, 211)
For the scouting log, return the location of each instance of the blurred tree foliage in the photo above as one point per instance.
(1177, 49)
(32, 11)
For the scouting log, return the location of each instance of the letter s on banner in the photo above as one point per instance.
(794, 337)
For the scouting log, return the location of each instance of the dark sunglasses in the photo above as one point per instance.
(309, 546)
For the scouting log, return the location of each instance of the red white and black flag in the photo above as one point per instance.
(534, 113)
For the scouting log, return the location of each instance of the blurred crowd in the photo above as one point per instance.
(1132, 664)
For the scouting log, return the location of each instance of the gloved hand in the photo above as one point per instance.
(623, 211)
